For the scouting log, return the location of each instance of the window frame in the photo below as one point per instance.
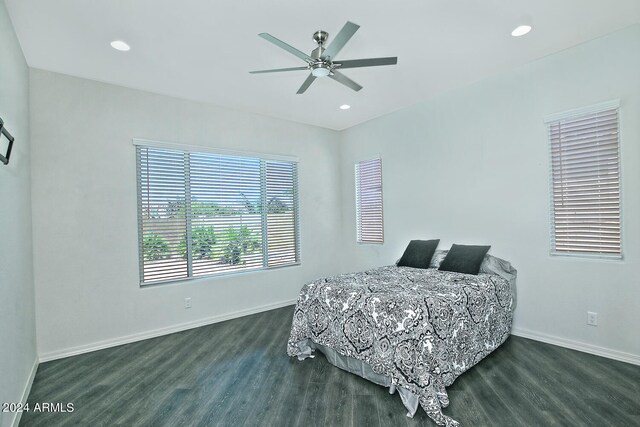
(188, 149)
(577, 114)
(359, 239)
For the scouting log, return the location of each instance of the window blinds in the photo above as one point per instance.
(369, 222)
(585, 181)
(201, 214)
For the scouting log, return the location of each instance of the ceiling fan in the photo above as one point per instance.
(322, 62)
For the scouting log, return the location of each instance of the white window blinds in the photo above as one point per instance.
(585, 181)
(201, 214)
(369, 222)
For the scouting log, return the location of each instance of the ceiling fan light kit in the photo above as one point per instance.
(322, 63)
(320, 70)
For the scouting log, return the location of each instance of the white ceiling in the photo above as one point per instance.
(203, 49)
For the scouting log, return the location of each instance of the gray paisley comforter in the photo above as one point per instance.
(422, 328)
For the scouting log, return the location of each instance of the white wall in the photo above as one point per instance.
(17, 312)
(472, 167)
(85, 217)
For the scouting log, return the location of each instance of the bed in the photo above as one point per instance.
(414, 330)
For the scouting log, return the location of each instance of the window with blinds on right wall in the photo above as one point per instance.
(369, 222)
(585, 182)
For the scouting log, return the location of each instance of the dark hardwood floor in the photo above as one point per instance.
(237, 373)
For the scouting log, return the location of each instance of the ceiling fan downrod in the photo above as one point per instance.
(320, 37)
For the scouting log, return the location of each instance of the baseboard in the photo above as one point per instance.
(25, 393)
(59, 354)
(579, 346)
(537, 336)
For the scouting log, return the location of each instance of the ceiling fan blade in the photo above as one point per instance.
(341, 78)
(306, 84)
(277, 70)
(283, 45)
(340, 40)
(369, 62)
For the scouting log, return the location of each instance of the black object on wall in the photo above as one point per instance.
(3, 132)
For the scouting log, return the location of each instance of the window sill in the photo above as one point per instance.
(187, 280)
(586, 257)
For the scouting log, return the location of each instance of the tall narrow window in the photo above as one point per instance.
(202, 214)
(369, 222)
(585, 182)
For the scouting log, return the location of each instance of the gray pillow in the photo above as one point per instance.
(437, 258)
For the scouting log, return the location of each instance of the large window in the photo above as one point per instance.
(585, 182)
(369, 223)
(202, 214)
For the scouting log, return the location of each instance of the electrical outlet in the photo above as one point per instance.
(187, 303)
(592, 318)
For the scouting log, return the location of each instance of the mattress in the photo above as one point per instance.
(417, 330)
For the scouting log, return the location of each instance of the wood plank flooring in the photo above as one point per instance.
(237, 373)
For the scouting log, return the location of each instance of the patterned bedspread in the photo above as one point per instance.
(420, 327)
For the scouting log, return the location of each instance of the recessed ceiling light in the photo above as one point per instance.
(345, 107)
(120, 45)
(521, 30)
